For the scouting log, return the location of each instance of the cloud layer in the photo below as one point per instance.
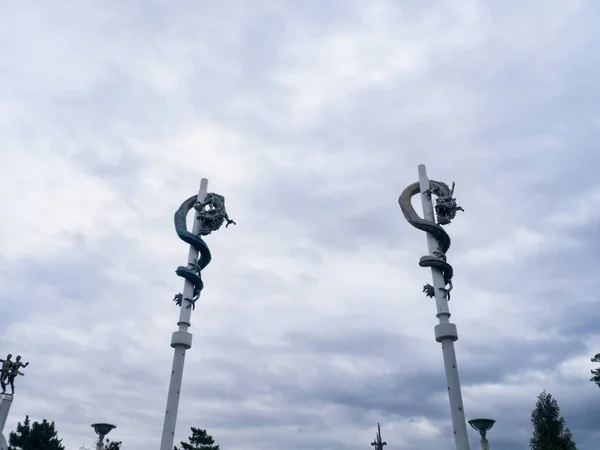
(310, 117)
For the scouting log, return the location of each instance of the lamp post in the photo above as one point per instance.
(102, 429)
(210, 214)
(483, 426)
(438, 243)
(378, 443)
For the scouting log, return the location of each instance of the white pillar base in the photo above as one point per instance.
(5, 403)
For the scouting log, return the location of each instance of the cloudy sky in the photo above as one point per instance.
(310, 117)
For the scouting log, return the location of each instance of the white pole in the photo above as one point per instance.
(5, 404)
(181, 341)
(445, 331)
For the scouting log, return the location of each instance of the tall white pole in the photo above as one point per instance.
(445, 331)
(5, 404)
(181, 341)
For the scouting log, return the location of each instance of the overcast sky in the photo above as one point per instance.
(310, 117)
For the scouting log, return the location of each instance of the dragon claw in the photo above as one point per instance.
(195, 265)
(447, 290)
(428, 290)
(191, 303)
(178, 299)
(438, 253)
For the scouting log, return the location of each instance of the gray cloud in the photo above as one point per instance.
(310, 118)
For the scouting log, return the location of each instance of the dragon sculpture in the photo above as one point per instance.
(445, 209)
(211, 214)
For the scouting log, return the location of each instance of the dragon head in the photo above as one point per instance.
(445, 204)
(211, 212)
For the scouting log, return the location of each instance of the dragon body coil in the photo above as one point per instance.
(211, 214)
(445, 209)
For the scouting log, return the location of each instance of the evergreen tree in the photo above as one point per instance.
(112, 445)
(22, 435)
(596, 372)
(36, 436)
(199, 440)
(549, 431)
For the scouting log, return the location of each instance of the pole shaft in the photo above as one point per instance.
(5, 404)
(181, 341)
(447, 337)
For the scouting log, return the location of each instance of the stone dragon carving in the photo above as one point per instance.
(445, 209)
(212, 214)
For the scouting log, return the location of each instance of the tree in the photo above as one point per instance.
(112, 445)
(549, 431)
(199, 440)
(34, 436)
(596, 372)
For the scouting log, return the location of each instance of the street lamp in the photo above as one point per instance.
(378, 443)
(102, 429)
(483, 426)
